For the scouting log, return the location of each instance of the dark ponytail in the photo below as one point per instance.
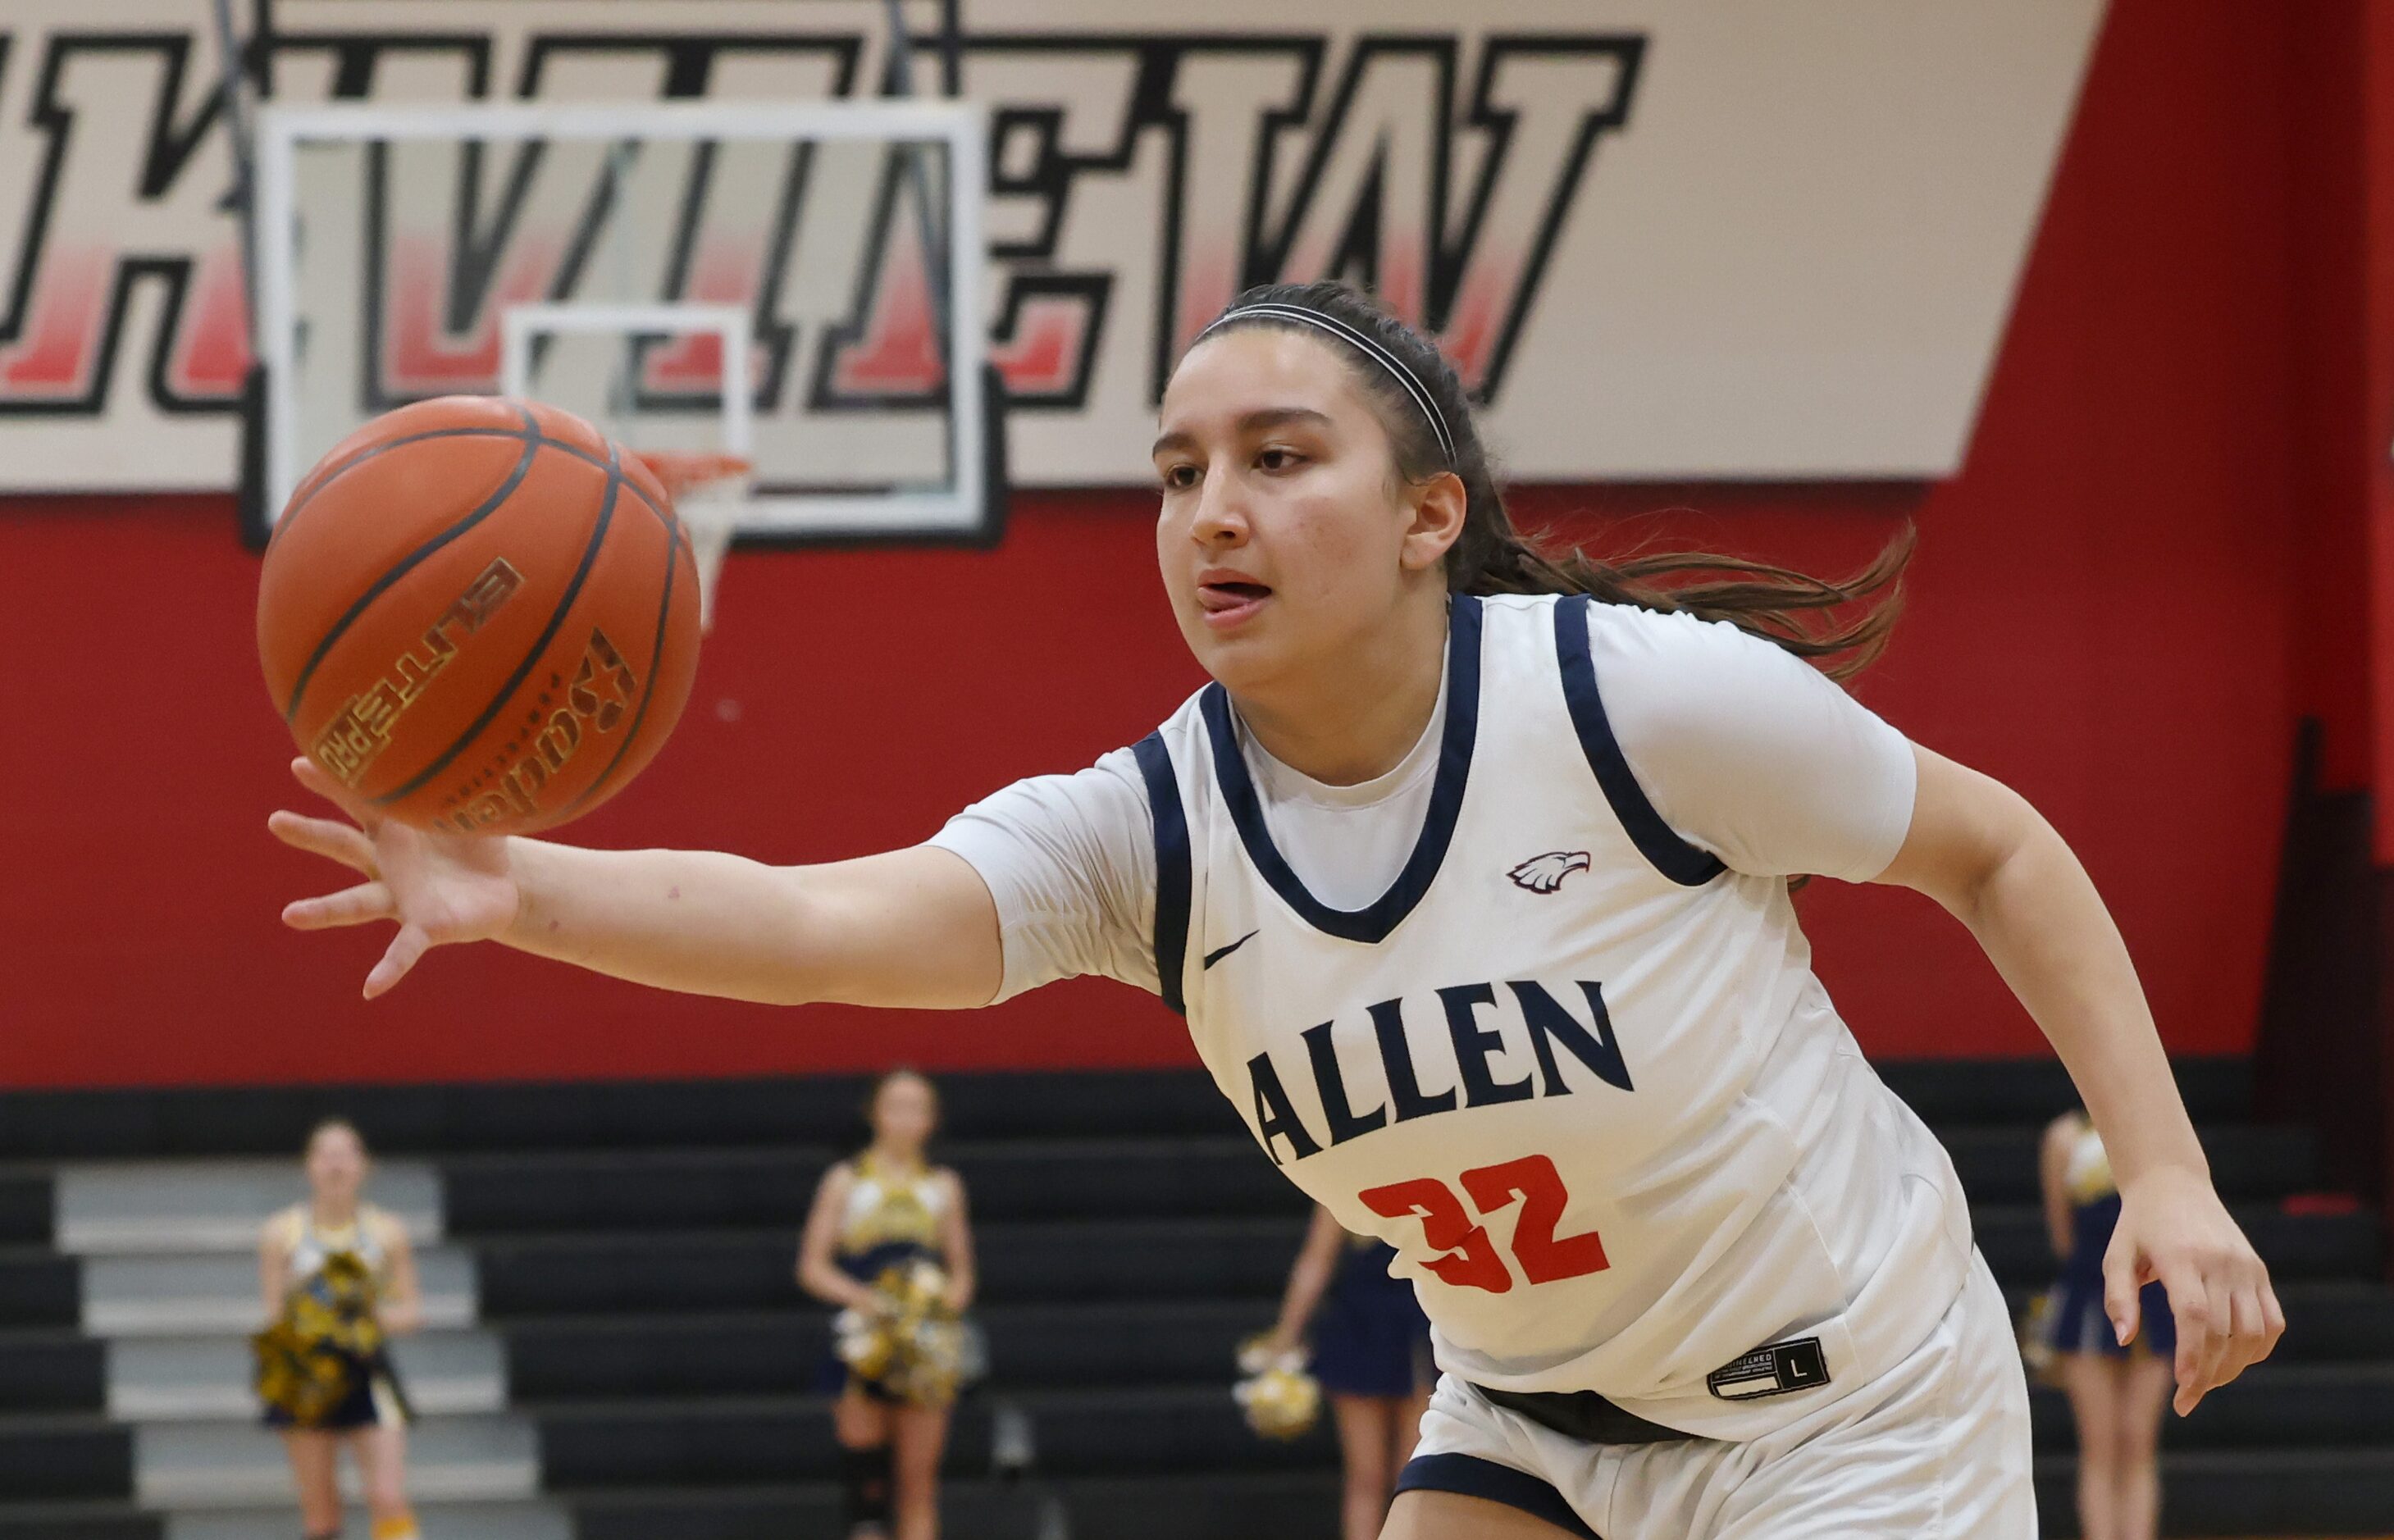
(1799, 612)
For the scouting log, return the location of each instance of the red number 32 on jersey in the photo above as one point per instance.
(1471, 1259)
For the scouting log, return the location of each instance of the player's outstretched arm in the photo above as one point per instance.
(1978, 848)
(908, 927)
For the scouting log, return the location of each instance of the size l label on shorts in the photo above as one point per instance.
(1771, 1371)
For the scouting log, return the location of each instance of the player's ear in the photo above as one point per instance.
(1439, 506)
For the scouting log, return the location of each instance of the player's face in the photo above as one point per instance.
(903, 1113)
(1282, 531)
(337, 1164)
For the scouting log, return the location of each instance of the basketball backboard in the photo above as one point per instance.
(395, 241)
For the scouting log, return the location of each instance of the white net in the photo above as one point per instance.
(593, 359)
(710, 492)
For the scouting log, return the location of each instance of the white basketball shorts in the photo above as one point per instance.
(1935, 1449)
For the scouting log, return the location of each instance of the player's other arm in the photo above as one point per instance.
(1750, 752)
(908, 927)
(1978, 848)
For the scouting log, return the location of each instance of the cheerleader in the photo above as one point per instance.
(337, 1278)
(873, 1218)
(1370, 1346)
(2116, 1392)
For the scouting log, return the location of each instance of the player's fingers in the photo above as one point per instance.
(326, 837)
(366, 902)
(410, 945)
(312, 775)
(2120, 1301)
(2259, 1319)
(2202, 1317)
(2248, 1333)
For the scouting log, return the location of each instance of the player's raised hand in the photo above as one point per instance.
(437, 889)
(2174, 1228)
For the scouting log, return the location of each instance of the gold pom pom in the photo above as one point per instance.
(910, 1343)
(1279, 1399)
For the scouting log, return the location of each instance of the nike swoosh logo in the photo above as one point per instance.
(1221, 952)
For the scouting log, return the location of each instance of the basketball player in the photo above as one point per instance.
(883, 1210)
(1469, 872)
(292, 1253)
(2116, 1390)
(1370, 1344)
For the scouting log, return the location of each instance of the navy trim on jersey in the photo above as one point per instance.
(1469, 1476)
(1171, 865)
(1387, 912)
(1684, 864)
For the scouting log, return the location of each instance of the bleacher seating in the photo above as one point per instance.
(628, 1248)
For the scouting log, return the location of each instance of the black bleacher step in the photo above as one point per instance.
(2248, 1160)
(1266, 1504)
(2332, 1321)
(111, 1519)
(1963, 1092)
(1048, 1179)
(737, 1188)
(1076, 1345)
(2338, 1331)
(827, 1110)
(1120, 1343)
(52, 1371)
(663, 1357)
(595, 1114)
(2270, 1407)
(64, 1456)
(2296, 1246)
(2215, 1493)
(982, 1510)
(27, 1208)
(2336, 1320)
(523, 1276)
(2311, 1492)
(1161, 1428)
(39, 1288)
(763, 1439)
(756, 1439)
(1269, 1504)
(2278, 1491)
(750, 1269)
(1196, 1428)
(739, 1269)
(725, 1188)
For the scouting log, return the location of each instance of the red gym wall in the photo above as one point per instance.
(2119, 607)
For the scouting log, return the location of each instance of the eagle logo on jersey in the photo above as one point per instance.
(1544, 873)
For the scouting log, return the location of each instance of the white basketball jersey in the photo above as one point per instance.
(1577, 1074)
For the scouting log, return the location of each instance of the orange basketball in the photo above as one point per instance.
(479, 615)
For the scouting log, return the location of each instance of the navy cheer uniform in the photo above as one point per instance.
(2080, 1324)
(891, 1219)
(1370, 1337)
(374, 1398)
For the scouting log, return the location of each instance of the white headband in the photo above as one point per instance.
(1364, 343)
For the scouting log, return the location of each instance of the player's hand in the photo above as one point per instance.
(438, 889)
(2174, 1228)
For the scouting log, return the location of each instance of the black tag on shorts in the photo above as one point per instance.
(1773, 1370)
